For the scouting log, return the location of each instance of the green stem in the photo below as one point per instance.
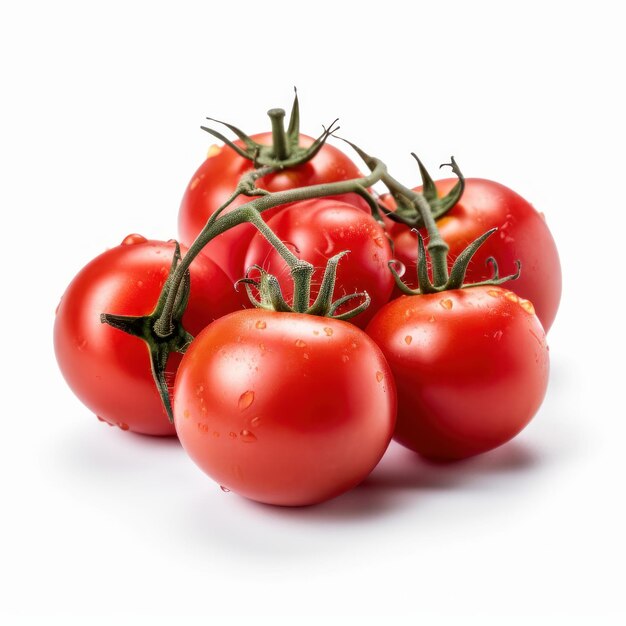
(279, 137)
(251, 212)
(437, 247)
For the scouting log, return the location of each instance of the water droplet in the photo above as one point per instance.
(262, 347)
(224, 489)
(527, 305)
(203, 428)
(106, 421)
(306, 356)
(345, 358)
(140, 283)
(446, 303)
(509, 295)
(186, 413)
(215, 433)
(494, 293)
(316, 332)
(199, 390)
(133, 239)
(379, 241)
(354, 345)
(255, 421)
(328, 331)
(232, 435)
(260, 325)
(379, 376)
(122, 425)
(498, 335)
(408, 339)
(245, 400)
(300, 343)
(194, 183)
(431, 318)
(247, 436)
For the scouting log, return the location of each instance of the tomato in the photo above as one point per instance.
(316, 230)
(217, 178)
(471, 368)
(108, 369)
(284, 408)
(522, 234)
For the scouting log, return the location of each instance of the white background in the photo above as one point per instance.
(99, 133)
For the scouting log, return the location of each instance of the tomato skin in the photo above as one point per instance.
(283, 408)
(471, 368)
(109, 370)
(522, 234)
(217, 177)
(316, 230)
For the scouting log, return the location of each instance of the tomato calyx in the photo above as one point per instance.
(456, 277)
(285, 150)
(270, 295)
(160, 341)
(406, 212)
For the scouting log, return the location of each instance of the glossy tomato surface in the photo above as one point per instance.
(471, 368)
(316, 230)
(283, 408)
(109, 370)
(216, 179)
(522, 234)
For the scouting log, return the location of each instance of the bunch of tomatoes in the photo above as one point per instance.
(306, 319)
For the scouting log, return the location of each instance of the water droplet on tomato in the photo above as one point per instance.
(345, 358)
(232, 435)
(194, 183)
(300, 343)
(122, 425)
(527, 305)
(509, 295)
(245, 400)
(247, 436)
(431, 319)
(140, 283)
(255, 421)
(494, 293)
(186, 413)
(446, 303)
(408, 339)
(306, 356)
(106, 421)
(132, 239)
(81, 344)
(224, 489)
(498, 335)
(379, 241)
(260, 324)
(379, 376)
(203, 428)
(328, 331)
(199, 389)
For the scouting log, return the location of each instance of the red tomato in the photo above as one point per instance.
(471, 368)
(217, 178)
(522, 234)
(284, 408)
(108, 369)
(316, 230)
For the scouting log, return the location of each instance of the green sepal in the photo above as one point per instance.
(161, 338)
